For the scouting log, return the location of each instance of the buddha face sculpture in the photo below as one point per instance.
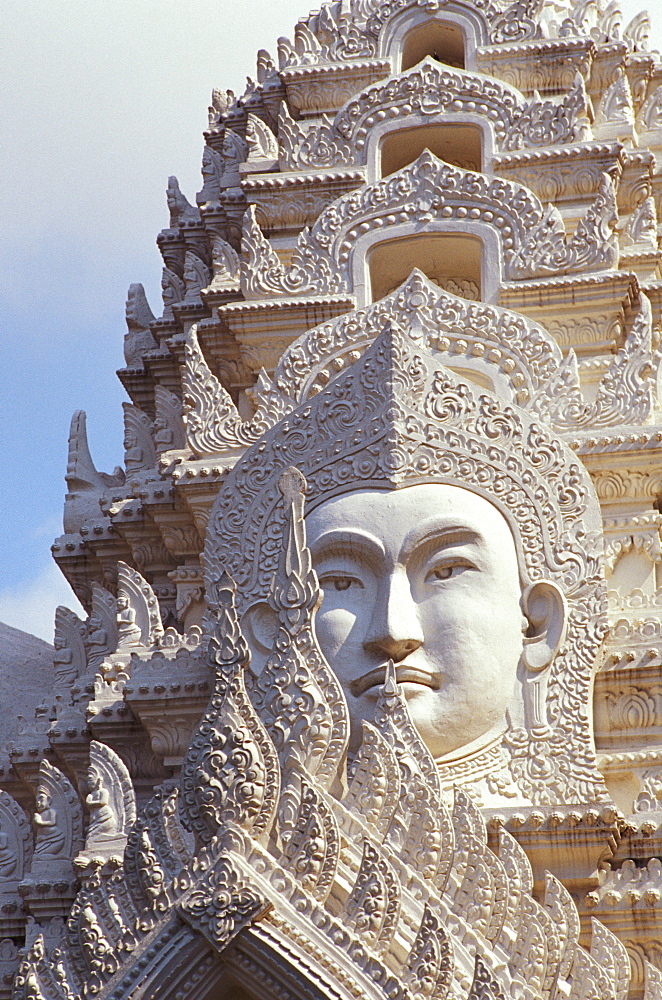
(426, 576)
(453, 533)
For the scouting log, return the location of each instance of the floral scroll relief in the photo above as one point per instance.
(594, 245)
(263, 274)
(337, 37)
(624, 394)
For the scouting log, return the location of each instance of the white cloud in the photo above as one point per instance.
(31, 606)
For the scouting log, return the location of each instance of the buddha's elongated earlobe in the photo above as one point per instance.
(546, 611)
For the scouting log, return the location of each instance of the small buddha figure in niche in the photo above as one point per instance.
(616, 104)
(50, 837)
(97, 641)
(642, 230)
(172, 291)
(128, 633)
(8, 859)
(234, 151)
(134, 454)
(65, 669)
(163, 434)
(103, 821)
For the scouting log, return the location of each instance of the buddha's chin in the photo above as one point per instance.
(440, 730)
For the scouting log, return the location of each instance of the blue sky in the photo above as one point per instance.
(101, 101)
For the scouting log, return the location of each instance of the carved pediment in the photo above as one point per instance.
(490, 346)
(426, 93)
(533, 240)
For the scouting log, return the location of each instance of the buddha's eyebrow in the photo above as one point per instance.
(347, 541)
(442, 534)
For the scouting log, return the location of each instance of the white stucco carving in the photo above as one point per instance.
(262, 143)
(368, 700)
(102, 632)
(57, 821)
(532, 241)
(385, 563)
(111, 803)
(642, 230)
(69, 658)
(85, 485)
(138, 614)
(212, 172)
(139, 451)
(16, 844)
(168, 426)
(425, 94)
(138, 339)
(385, 364)
(172, 291)
(179, 207)
(221, 102)
(225, 262)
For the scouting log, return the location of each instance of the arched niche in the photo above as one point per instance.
(453, 261)
(441, 40)
(451, 37)
(461, 145)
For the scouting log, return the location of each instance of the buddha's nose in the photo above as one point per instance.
(395, 630)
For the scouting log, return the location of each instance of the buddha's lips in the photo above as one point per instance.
(403, 673)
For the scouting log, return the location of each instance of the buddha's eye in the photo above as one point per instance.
(444, 571)
(339, 582)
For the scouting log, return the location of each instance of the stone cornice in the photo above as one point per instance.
(296, 179)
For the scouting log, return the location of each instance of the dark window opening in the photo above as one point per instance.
(439, 40)
(452, 261)
(459, 145)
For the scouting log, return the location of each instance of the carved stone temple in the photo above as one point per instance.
(368, 699)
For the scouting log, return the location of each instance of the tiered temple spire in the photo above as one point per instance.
(446, 214)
